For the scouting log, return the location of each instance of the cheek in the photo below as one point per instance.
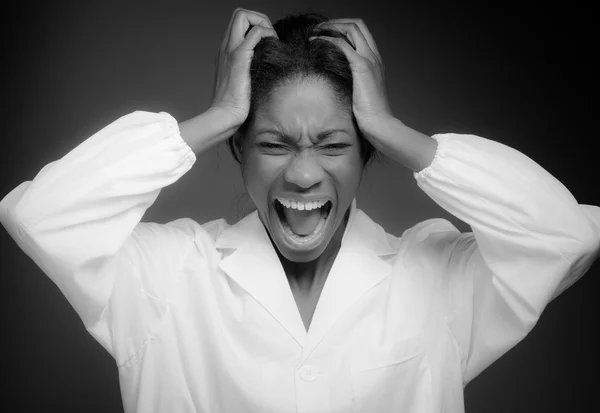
(347, 173)
(348, 180)
(258, 175)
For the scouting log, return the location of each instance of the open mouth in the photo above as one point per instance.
(302, 222)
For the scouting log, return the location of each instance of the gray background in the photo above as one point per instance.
(516, 75)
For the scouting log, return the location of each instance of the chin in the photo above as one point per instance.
(301, 256)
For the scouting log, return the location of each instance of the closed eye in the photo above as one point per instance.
(277, 148)
(336, 146)
(269, 145)
(334, 149)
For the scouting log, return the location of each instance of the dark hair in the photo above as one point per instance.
(276, 61)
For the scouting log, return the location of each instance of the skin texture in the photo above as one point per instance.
(302, 164)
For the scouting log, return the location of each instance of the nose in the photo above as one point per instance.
(304, 170)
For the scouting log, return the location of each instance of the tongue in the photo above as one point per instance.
(303, 222)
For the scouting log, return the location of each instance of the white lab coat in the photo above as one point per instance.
(201, 318)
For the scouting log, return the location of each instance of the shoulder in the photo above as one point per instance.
(179, 236)
(433, 227)
(208, 232)
(435, 238)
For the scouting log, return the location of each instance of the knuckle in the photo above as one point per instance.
(363, 64)
(261, 30)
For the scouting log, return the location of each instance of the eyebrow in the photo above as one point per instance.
(324, 135)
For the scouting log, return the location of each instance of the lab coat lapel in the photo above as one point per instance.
(358, 267)
(255, 266)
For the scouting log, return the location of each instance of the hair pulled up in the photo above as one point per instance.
(292, 56)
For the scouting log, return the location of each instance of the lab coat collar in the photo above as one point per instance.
(251, 261)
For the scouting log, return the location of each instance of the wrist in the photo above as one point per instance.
(228, 116)
(209, 128)
(403, 144)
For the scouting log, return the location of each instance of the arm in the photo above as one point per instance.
(79, 218)
(531, 239)
(209, 128)
(497, 280)
(405, 145)
(74, 218)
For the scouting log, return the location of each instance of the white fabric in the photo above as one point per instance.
(201, 318)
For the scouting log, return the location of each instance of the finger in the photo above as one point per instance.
(240, 25)
(353, 34)
(351, 54)
(228, 31)
(237, 14)
(254, 35)
(363, 29)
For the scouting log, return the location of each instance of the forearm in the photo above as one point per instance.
(79, 211)
(529, 228)
(85, 204)
(208, 129)
(406, 146)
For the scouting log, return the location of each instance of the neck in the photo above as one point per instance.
(312, 274)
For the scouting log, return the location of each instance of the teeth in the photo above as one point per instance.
(301, 206)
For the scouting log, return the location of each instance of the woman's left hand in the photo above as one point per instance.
(369, 102)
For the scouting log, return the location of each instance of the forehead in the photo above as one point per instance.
(303, 107)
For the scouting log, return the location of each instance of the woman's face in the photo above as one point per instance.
(301, 166)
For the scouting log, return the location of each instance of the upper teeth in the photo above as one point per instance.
(301, 206)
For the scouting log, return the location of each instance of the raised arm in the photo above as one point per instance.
(79, 218)
(75, 216)
(531, 240)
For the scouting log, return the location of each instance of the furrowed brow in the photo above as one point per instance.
(322, 136)
(275, 134)
(329, 134)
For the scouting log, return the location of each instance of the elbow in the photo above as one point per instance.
(585, 255)
(585, 251)
(588, 248)
(10, 216)
(575, 236)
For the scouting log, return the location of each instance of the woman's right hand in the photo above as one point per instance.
(232, 83)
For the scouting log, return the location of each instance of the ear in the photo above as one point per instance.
(237, 144)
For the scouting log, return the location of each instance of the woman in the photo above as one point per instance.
(305, 304)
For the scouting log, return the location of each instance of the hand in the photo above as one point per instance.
(369, 101)
(232, 83)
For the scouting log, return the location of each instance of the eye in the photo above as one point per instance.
(272, 147)
(334, 148)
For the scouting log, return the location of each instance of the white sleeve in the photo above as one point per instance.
(531, 240)
(79, 218)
